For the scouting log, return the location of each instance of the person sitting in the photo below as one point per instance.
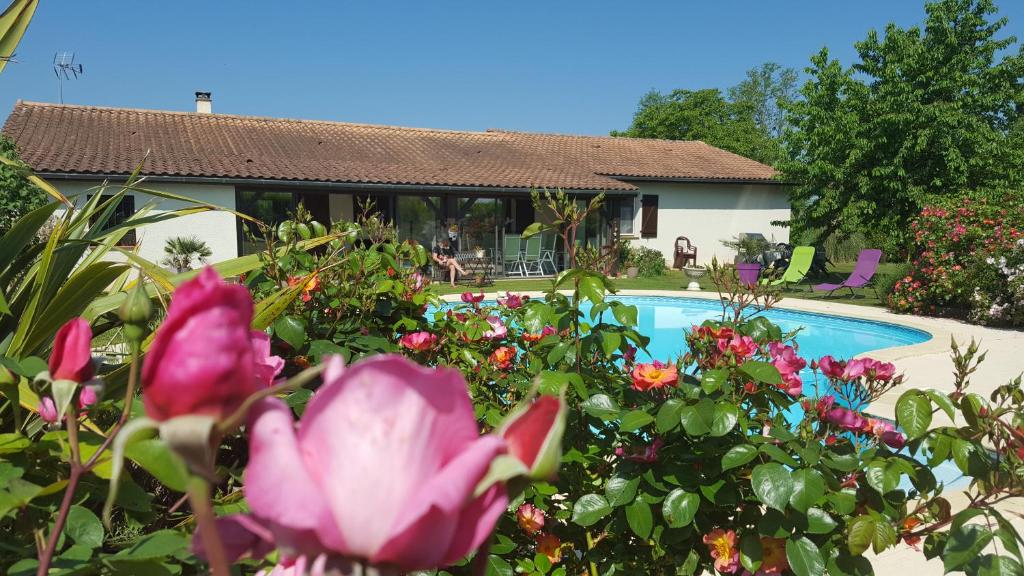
(444, 256)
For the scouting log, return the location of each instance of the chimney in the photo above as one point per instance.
(204, 102)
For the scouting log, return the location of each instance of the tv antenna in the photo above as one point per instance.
(65, 68)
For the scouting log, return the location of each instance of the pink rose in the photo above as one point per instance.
(382, 468)
(204, 358)
(418, 341)
(470, 298)
(846, 419)
(498, 329)
(72, 354)
(512, 301)
(742, 347)
(87, 397)
(267, 366)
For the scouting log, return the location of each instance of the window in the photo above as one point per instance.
(267, 206)
(627, 211)
(123, 211)
(649, 216)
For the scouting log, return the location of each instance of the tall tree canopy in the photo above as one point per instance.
(18, 196)
(926, 112)
(748, 122)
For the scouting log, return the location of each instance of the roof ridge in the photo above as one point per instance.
(597, 136)
(30, 103)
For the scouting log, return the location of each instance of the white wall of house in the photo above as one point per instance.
(710, 213)
(216, 228)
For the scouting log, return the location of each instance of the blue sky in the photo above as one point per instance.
(555, 66)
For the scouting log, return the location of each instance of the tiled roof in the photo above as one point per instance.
(68, 139)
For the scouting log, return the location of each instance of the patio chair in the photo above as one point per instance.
(799, 264)
(512, 256)
(547, 253)
(863, 271)
(685, 253)
(531, 257)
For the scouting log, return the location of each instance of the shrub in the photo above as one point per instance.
(885, 282)
(967, 255)
(649, 262)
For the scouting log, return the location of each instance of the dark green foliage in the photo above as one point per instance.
(18, 196)
(926, 111)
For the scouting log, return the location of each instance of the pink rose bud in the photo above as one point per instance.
(72, 354)
(87, 397)
(534, 435)
(204, 358)
(48, 410)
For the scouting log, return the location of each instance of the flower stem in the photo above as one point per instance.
(199, 498)
(46, 556)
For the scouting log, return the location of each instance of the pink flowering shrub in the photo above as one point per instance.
(968, 262)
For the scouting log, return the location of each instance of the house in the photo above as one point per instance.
(428, 181)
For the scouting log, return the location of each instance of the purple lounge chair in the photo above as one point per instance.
(863, 272)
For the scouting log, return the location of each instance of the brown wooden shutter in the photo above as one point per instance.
(649, 216)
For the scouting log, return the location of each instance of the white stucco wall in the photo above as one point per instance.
(710, 213)
(216, 228)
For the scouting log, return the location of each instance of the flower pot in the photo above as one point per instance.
(632, 272)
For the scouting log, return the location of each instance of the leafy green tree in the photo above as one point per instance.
(18, 196)
(927, 112)
(704, 115)
(765, 94)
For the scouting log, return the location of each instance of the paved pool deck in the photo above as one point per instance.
(926, 365)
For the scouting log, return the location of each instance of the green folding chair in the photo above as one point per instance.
(512, 255)
(531, 257)
(799, 265)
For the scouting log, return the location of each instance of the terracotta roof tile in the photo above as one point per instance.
(57, 138)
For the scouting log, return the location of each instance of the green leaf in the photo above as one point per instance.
(159, 544)
(635, 420)
(497, 566)
(779, 455)
(713, 380)
(773, 485)
(668, 415)
(625, 314)
(589, 509)
(601, 406)
(319, 348)
(808, 489)
(724, 419)
(804, 557)
(697, 419)
(639, 518)
(680, 507)
(860, 533)
(592, 289)
(819, 521)
(156, 458)
(610, 342)
(884, 536)
(619, 491)
(750, 552)
(884, 475)
(942, 401)
(84, 527)
(762, 372)
(964, 544)
(913, 413)
(292, 330)
(738, 456)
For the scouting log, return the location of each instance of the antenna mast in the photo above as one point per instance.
(65, 68)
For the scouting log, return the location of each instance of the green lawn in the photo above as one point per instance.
(676, 280)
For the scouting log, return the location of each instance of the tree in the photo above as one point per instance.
(18, 196)
(925, 113)
(765, 94)
(181, 251)
(704, 115)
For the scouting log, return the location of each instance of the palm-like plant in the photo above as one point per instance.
(181, 251)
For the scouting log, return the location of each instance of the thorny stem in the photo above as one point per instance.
(46, 556)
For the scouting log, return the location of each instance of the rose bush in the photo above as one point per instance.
(968, 263)
(718, 460)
